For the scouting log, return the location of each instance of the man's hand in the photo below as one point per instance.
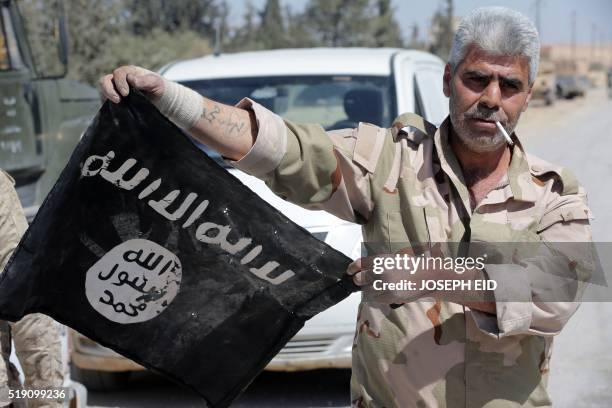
(383, 287)
(395, 283)
(114, 86)
(229, 130)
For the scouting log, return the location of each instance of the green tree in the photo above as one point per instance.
(92, 27)
(271, 32)
(340, 23)
(244, 37)
(442, 31)
(414, 41)
(103, 36)
(156, 49)
(199, 16)
(352, 23)
(298, 33)
(387, 32)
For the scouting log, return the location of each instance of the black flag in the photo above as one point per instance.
(149, 247)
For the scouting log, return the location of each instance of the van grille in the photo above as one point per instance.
(320, 235)
(303, 347)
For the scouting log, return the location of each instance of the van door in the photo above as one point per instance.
(403, 73)
(20, 138)
(429, 96)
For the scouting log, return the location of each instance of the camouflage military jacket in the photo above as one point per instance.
(36, 338)
(405, 185)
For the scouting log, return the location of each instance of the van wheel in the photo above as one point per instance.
(100, 380)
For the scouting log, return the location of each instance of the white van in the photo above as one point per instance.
(337, 88)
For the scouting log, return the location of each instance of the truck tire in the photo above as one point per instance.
(100, 380)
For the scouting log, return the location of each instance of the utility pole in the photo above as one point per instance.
(609, 49)
(413, 28)
(448, 30)
(574, 35)
(538, 6)
(217, 43)
(593, 41)
(602, 53)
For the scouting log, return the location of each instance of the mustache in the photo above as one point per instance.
(481, 113)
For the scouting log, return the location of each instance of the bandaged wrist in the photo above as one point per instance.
(181, 105)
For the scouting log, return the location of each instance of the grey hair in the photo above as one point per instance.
(500, 31)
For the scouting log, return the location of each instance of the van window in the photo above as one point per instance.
(41, 20)
(335, 102)
(4, 56)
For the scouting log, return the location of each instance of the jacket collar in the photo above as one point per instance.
(518, 176)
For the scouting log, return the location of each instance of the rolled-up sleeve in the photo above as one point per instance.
(270, 144)
(512, 300)
(537, 295)
(314, 168)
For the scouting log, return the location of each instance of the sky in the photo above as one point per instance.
(555, 17)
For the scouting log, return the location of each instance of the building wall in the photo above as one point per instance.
(579, 58)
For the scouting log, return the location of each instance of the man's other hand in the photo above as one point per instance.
(116, 85)
(383, 286)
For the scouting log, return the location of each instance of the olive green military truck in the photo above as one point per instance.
(42, 114)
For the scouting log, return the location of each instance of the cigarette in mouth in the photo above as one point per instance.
(503, 131)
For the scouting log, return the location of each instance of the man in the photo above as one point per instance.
(460, 183)
(36, 336)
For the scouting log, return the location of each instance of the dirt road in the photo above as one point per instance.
(578, 134)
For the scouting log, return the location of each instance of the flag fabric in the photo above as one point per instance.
(149, 247)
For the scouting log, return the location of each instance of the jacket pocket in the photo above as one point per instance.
(407, 229)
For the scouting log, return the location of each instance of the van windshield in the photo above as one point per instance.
(335, 102)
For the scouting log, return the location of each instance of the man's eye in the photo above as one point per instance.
(479, 80)
(512, 86)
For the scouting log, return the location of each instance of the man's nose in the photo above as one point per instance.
(491, 96)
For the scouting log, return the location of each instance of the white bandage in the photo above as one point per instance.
(181, 105)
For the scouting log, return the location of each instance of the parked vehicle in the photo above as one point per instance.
(337, 88)
(570, 86)
(584, 83)
(42, 114)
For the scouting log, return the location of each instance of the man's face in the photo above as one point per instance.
(486, 88)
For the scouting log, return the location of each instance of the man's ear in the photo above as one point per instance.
(446, 80)
(529, 95)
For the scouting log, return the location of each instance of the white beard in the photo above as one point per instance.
(478, 143)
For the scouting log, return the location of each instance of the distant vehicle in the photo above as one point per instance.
(584, 83)
(337, 88)
(544, 84)
(570, 86)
